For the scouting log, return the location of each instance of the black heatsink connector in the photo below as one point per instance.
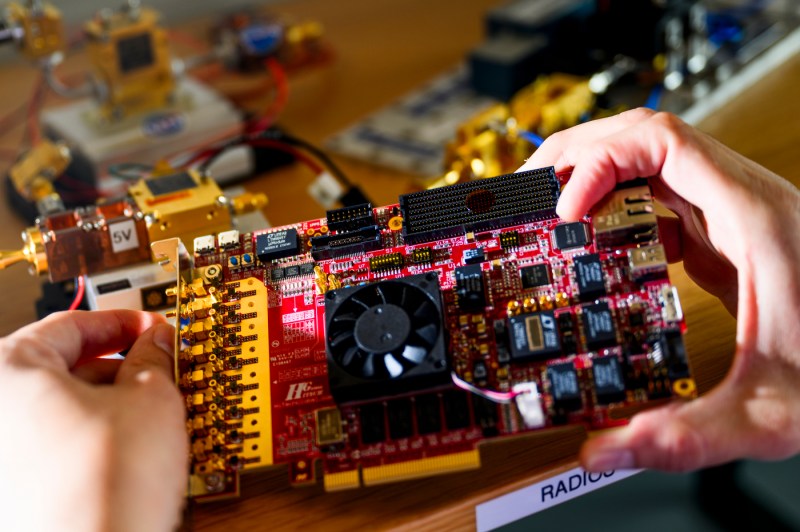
(479, 205)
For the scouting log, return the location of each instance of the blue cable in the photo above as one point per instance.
(533, 138)
(654, 99)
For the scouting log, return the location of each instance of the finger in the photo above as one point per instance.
(153, 352)
(549, 153)
(662, 144)
(678, 437)
(64, 338)
(670, 230)
(97, 371)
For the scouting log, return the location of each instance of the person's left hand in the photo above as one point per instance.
(90, 443)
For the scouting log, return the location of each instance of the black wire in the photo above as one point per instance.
(319, 154)
(281, 136)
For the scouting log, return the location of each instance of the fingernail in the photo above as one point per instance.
(164, 338)
(609, 459)
(143, 376)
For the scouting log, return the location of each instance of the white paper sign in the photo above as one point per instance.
(542, 495)
(123, 236)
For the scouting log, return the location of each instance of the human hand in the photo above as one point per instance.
(737, 233)
(90, 443)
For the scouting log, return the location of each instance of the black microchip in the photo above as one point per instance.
(566, 322)
(486, 415)
(598, 326)
(569, 345)
(401, 424)
(135, 52)
(307, 268)
(429, 415)
(571, 235)
(636, 319)
(535, 276)
(534, 336)
(469, 288)
(456, 410)
(277, 274)
(277, 245)
(564, 386)
(609, 384)
(373, 429)
(292, 271)
(674, 352)
(479, 371)
(169, 184)
(474, 256)
(589, 276)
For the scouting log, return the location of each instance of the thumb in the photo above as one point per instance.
(152, 351)
(676, 437)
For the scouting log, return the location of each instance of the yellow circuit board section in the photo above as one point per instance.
(223, 365)
(386, 473)
(424, 467)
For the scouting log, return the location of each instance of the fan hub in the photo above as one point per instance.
(382, 329)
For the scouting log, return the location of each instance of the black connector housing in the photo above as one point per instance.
(479, 205)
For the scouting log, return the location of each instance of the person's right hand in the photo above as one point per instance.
(738, 233)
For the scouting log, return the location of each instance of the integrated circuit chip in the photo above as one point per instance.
(534, 336)
(474, 256)
(564, 386)
(589, 277)
(373, 428)
(598, 326)
(470, 289)
(609, 385)
(535, 276)
(571, 235)
(277, 274)
(329, 426)
(277, 244)
(674, 352)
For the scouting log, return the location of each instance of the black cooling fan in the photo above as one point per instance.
(385, 338)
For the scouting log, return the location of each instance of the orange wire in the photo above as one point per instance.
(33, 112)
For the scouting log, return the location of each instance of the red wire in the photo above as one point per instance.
(80, 290)
(281, 83)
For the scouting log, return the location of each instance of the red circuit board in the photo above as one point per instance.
(501, 291)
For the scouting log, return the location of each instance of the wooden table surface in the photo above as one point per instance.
(383, 50)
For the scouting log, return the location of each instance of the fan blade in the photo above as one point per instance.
(380, 293)
(394, 367)
(414, 353)
(368, 369)
(340, 318)
(403, 297)
(355, 299)
(349, 355)
(425, 312)
(340, 337)
(428, 333)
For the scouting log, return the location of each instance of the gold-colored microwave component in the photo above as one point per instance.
(185, 205)
(131, 60)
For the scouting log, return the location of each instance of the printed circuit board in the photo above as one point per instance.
(388, 343)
